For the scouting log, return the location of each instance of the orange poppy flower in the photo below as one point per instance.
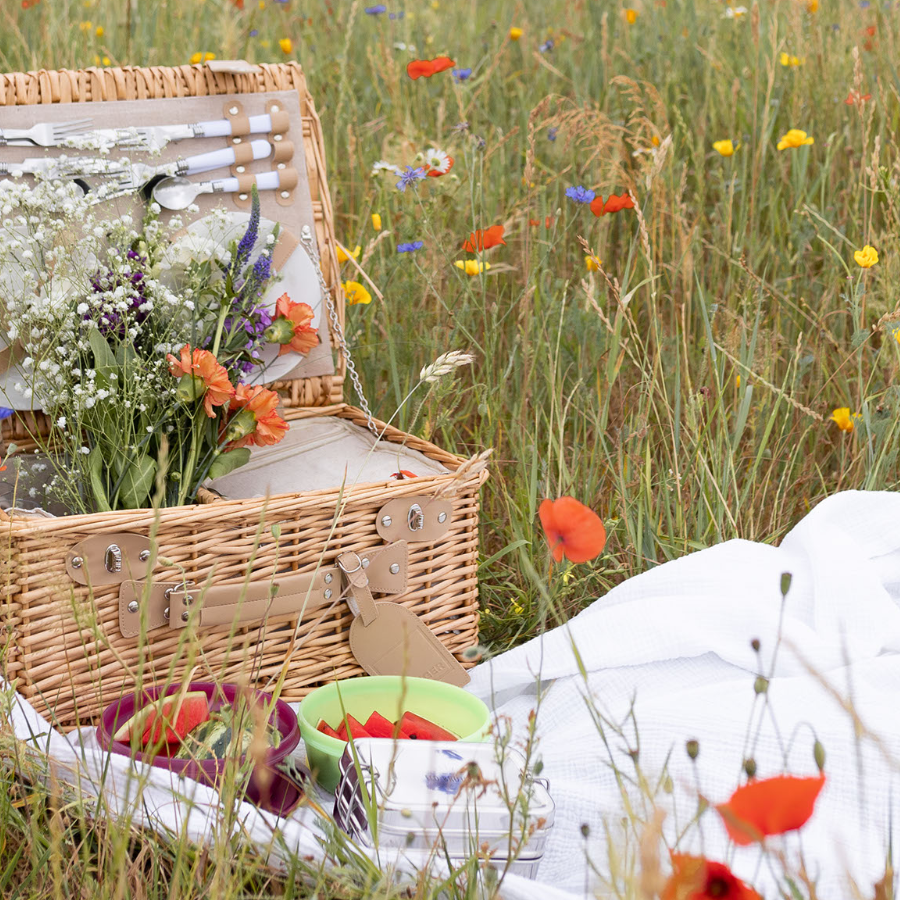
(256, 423)
(854, 98)
(697, 878)
(572, 529)
(484, 240)
(201, 376)
(292, 327)
(613, 204)
(425, 68)
(548, 222)
(771, 806)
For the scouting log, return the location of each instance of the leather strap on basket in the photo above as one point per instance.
(176, 604)
(240, 121)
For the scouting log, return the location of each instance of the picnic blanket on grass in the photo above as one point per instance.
(664, 658)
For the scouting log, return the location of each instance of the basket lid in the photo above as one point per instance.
(212, 92)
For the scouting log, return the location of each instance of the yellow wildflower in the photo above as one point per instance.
(343, 257)
(842, 418)
(655, 140)
(631, 16)
(376, 221)
(100, 31)
(794, 138)
(867, 257)
(262, 4)
(202, 57)
(356, 293)
(792, 61)
(724, 148)
(287, 45)
(515, 33)
(812, 6)
(591, 264)
(472, 266)
(86, 26)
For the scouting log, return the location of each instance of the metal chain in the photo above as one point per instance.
(309, 245)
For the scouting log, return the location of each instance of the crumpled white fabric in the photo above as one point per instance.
(674, 645)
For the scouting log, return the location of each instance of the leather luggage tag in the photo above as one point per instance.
(388, 639)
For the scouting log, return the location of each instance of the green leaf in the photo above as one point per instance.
(95, 472)
(103, 356)
(125, 354)
(229, 461)
(137, 483)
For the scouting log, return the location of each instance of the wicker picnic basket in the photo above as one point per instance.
(248, 591)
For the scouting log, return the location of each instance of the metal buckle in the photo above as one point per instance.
(343, 568)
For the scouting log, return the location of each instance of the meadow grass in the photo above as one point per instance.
(684, 390)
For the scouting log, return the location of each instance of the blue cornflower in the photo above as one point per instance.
(547, 46)
(5, 413)
(580, 194)
(411, 247)
(864, 4)
(551, 134)
(396, 15)
(376, 10)
(410, 177)
(254, 32)
(462, 74)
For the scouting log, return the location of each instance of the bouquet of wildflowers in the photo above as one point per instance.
(137, 348)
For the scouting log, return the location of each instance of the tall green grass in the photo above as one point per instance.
(685, 391)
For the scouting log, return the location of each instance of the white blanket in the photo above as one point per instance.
(674, 643)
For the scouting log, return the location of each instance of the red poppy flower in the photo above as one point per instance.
(613, 204)
(256, 422)
(484, 240)
(548, 222)
(854, 97)
(697, 878)
(572, 529)
(200, 376)
(403, 473)
(771, 806)
(870, 31)
(425, 68)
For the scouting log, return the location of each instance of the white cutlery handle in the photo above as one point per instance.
(265, 181)
(223, 127)
(218, 159)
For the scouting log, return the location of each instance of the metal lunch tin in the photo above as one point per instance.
(460, 797)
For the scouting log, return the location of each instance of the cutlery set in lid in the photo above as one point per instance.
(154, 161)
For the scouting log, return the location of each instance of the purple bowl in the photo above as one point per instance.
(267, 788)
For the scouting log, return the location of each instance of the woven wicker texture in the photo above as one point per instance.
(60, 642)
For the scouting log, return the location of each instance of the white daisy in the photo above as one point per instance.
(438, 161)
(384, 166)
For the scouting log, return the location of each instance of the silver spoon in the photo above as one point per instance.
(178, 192)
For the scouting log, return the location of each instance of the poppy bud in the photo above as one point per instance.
(750, 766)
(585, 829)
(693, 748)
(281, 331)
(785, 583)
(761, 685)
(755, 645)
(819, 755)
(668, 785)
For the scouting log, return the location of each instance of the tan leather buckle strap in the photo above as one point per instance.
(177, 604)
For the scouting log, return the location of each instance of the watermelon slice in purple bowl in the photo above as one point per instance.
(268, 787)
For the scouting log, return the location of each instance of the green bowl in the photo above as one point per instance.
(391, 695)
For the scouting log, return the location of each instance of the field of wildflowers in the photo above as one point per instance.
(667, 232)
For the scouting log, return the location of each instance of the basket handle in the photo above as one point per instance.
(181, 604)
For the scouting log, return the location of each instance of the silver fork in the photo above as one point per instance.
(45, 134)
